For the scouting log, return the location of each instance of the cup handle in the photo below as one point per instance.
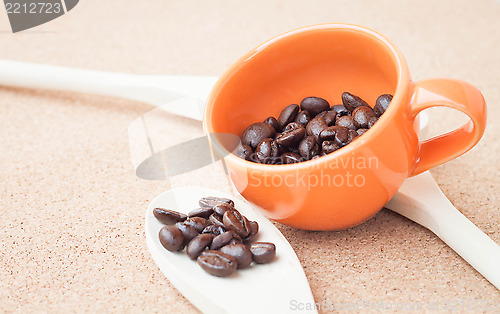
(454, 94)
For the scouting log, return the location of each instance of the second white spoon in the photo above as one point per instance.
(421, 200)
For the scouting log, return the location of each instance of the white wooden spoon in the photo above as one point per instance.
(278, 287)
(184, 94)
(421, 200)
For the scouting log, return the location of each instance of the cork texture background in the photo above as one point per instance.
(72, 228)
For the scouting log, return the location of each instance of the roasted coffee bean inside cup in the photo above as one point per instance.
(310, 130)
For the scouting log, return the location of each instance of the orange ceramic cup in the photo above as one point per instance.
(350, 185)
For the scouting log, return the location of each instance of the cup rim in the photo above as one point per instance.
(402, 85)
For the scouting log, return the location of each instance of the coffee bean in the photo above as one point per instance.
(188, 232)
(329, 116)
(372, 122)
(263, 252)
(303, 117)
(305, 128)
(224, 234)
(197, 222)
(235, 240)
(211, 201)
(255, 133)
(314, 105)
(315, 126)
(167, 216)
(216, 220)
(244, 151)
(346, 121)
(295, 149)
(283, 149)
(201, 212)
(236, 222)
(342, 135)
(240, 252)
(336, 133)
(292, 135)
(274, 123)
(224, 239)
(198, 245)
(351, 101)
(292, 126)
(287, 115)
(308, 147)
(291, 158)
(361, 131)
(328, 147)
(254, 229)
(352, 136)
(381, 104)
(171, 238)
(267, 151)
(213, 229)
(217, 263)
(328, 134)
(361, 116)
(220, 209)
(340, 110)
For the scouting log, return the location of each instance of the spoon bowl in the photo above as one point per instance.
(266, 288)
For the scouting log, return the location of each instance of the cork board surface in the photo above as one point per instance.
(71, 233)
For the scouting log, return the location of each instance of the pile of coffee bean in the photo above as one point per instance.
(310, 130)
(216, 235)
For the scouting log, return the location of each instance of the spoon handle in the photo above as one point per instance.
(153, 89)
(421, 200)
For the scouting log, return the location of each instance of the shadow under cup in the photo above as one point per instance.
(348, 186)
